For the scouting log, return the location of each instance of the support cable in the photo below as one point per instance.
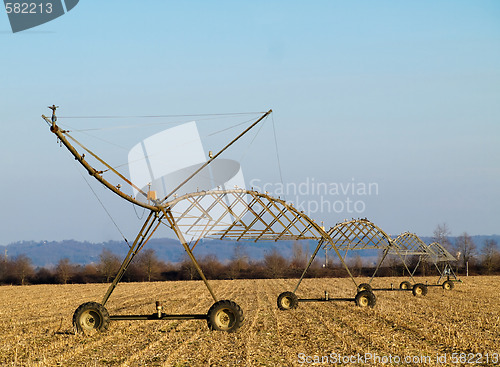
(243, 155)
(147, 156)
(143, 212)
(162, 116)
(103, 206)
(106, 164)
(278, 156)
(217, 154)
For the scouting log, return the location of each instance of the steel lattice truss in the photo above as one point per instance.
(222, 214)
(241, 215)
(439, 254)
(359, 234)
(410, 244)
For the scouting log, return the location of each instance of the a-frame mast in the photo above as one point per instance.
(91, 170)
(97, 174)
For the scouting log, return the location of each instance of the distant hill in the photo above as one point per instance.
(47, 254)
(478, 240)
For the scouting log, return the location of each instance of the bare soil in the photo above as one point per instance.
(36, 325)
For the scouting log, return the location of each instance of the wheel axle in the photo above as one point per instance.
(93, 317)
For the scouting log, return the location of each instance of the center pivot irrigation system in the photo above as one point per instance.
(234, 214)
(439, 255)
(361, 234)
(435, 253)
(237, 214)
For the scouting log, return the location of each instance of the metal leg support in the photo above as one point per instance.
(406, 267)
(179, 234)
(386, 251)
(416, 267)
(139, 242)
(308, 265)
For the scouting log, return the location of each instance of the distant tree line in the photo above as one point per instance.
(146, 266)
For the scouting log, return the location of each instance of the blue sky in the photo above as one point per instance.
(403, 94)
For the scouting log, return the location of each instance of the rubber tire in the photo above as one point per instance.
(405, 285)
(448, 285)
(225, 315)
(287, 301)
(419, 289)
(91, 317)
(365, 287)
(365, 299)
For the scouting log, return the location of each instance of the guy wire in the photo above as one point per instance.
(102, 204)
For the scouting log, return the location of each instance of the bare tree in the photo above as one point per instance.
(148, 263)
(211, 267)
(188, 269)
(64, 270)
(392, 265)
(356, 264)
(23, 269)
(275, 264)
(441, 234)
(109, 264)
(90, 273)
(490, 255)
(239, 261)
(3, 268)
(466, 247)
(299, 256)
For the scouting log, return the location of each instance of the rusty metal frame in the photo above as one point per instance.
(264, 218)
(435, 253)
(441, 255)
(161, 211)
(412, 245)
(362, 234)
(146, 232)
(224, 214)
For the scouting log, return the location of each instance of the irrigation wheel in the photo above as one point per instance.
(287, 301)
(91, 317)
(364, 287)
(448, 285)
(225, 316)
(419, 289)
(405, 285)
(365, 298)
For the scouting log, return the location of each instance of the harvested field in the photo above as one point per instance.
(36, 329)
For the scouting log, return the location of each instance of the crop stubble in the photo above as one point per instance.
(36, 330)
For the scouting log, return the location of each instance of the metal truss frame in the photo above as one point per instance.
(238, 214)
(245, 215)
(441, 255)
(411, 245)
(362, 234)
